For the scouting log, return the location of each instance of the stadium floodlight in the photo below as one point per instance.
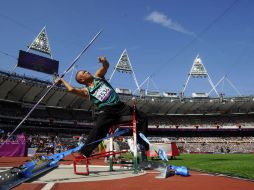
(198, 70)
(41, 43)
(124, 65)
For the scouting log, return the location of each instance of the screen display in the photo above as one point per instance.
(37, 63)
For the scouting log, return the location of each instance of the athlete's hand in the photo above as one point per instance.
(104, 67)
(102, 59)
(58, 80)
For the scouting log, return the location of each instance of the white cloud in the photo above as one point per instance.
(163, 20)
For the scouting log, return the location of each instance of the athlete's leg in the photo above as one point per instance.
(100, 130)
(142, 126)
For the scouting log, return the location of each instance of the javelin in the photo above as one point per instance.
(61, 76)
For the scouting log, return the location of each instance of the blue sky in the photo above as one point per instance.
(162, 38)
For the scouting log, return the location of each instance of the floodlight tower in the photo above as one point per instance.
(198, 70)
(124, 65)
(41, 43)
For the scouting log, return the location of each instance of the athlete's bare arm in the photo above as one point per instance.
(83, 92)
(103, 70)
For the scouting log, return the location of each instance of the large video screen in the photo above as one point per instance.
(37, 63)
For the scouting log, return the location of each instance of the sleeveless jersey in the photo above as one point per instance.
(102, 93)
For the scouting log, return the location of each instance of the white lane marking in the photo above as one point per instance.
(48, 186)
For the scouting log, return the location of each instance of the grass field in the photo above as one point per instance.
(239, 165)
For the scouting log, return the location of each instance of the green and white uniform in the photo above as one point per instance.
(102, 93)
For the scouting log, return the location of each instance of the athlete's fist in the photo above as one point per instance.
(102, 59)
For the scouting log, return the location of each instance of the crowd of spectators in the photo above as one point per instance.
(202, 121)
(211, 144)
(17, 110)
(45, 144)
(54, 143)
(213, 147)
(205, 144)
(48, 144)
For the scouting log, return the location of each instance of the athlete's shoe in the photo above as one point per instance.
(145, 165)
(152, 165)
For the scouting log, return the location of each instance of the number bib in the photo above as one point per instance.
(102, 93)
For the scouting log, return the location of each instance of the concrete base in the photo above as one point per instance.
(64, 173)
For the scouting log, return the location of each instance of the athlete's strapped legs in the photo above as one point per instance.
(109, 115)
(99, 131)
(105, 121)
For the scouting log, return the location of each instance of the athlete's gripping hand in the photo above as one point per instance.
(58, 80)
(102, 59)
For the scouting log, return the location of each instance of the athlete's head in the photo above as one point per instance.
(82, 77)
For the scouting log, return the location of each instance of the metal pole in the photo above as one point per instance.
(141, 84)
(233, 86)
(135, 151)
(222, 79)
(111, 149)
(211, 83)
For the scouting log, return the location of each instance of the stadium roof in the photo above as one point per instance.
(27, 90)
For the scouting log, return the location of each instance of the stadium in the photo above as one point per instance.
(198, 125)
(197, 140)
(205, 118)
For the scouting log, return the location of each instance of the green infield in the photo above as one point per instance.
(238, 165)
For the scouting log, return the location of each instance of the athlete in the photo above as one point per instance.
(103, 95)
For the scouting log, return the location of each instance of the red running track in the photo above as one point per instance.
(197, 181)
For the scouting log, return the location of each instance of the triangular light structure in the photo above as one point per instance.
(41, 43)
(124, 65)
(198, 69)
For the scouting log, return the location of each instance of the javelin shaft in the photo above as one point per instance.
(75, 60)
(33, 108)
(61, 76)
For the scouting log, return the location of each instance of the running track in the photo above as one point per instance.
(197, 181)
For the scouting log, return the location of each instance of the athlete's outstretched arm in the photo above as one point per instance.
(83, 92)
(103, 70)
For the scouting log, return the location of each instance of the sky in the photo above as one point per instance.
(162, 38)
